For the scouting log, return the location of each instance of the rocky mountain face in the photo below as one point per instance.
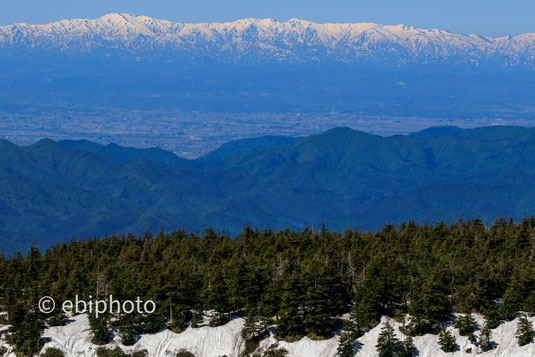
(267, 40)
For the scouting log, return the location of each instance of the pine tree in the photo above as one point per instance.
(387, 342)
(255, 327)
(446, 340)
(430, 303)
(348, 337)
(290, 322)
(180, 320)
(407, 348)
(524, 332)
(513, 299)
(127, 329)
(25, 332)
(484, 341)
(254, 330)
(492, 317)
(99, 329)
(217, 297)
(345, 345)
(364, 312)
(418, 326)
(466, 324)
(52, 352)
(321, 303)
(151, 323)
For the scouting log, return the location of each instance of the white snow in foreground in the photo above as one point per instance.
(74, 340)
(427, 345)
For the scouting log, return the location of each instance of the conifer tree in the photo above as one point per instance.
(52, 352)
(418, 326)
(151, 323)
(364, 312)
(252, 288)
(127, 329)
(348, 337)
(492, 317)
(254, 327)
(512, 299)
(217, 297)
(302, 279)
(345, 345)
(25, 331)
(429, 304)
(321, 302)
(466, 324)
(524, 331)
(99, 329)
(446, 340)
(290, 322)
(484, 341)
(387, 342)
(407, 348)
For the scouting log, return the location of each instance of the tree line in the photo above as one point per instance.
(300, 281)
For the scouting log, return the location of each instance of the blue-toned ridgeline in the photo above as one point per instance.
(51, 191)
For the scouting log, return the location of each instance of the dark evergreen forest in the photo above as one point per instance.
(300, 281)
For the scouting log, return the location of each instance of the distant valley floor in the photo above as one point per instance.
(191, 134)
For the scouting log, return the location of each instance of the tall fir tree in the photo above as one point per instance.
(429, 304)
(217, 297)
(99, 329)
(407, 348)
(466, 324)
(290, 322)
(25, 331)
(447, 341)
(485, 337)
(512, 299)
(524, 331)
(322, 300)
(492, 316)
(387, 343)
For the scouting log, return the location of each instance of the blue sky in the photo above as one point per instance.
(490, 17)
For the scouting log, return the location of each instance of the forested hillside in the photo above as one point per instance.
(300, 281)
(51, 191)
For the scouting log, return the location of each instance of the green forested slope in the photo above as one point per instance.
(302, 281)
(343, 178)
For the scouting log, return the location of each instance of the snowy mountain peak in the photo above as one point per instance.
(118, 17)
(268, 40)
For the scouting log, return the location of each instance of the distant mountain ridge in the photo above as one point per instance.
(266, 40)
(51, 191)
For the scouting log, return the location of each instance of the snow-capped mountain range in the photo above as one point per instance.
(266, 40)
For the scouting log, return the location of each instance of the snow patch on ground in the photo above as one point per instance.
(427, 345)
(74, 340)
(303, 347)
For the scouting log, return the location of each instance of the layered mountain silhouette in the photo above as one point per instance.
(52, 191)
